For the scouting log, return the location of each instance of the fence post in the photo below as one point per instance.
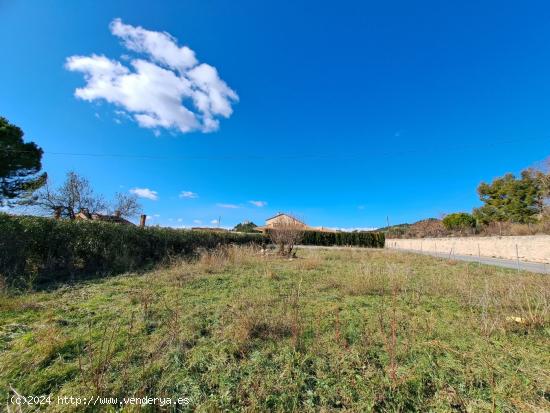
(517, 256)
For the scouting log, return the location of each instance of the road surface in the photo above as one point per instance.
(537, 267)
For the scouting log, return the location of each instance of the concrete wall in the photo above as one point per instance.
(534, 248)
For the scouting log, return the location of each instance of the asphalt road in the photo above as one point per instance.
(537, 267)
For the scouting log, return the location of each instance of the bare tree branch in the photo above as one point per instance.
(75, 195)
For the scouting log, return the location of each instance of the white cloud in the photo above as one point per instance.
(189, 194)
(229, 206)
(197, 221)
(161, 47)
(180, 219)
(258, 203)
(145, 193)
(361, 207)
(214, 222)
(153, 89)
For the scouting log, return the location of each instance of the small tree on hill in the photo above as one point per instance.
(20, 165)
(246, 226)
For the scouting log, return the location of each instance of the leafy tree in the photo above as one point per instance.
(20, 164)
(246, 226)
(74, 195)
(460, 221)
(511, 199)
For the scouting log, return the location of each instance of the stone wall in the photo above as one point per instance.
(534, 248)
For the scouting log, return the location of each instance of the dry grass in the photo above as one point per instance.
(238, 330)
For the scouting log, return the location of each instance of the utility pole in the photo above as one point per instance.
(219, 220)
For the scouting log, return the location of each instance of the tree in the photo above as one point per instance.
(459, 221)
(511, 199)
(74, 195)
(286, 235)
(126, 206)
(542, 175)
(20, 165)
(246, 226)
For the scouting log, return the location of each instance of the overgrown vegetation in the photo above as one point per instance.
(35, 251)
(355, 330)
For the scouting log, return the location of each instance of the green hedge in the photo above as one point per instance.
(35, 250)
(359, 239)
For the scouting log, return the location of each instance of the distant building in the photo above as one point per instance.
(284, 219)
(84, 215)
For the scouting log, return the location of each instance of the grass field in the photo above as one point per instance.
(357, 330)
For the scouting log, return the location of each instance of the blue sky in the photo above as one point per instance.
(347, 112)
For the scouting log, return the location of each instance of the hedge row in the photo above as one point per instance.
(359, 239)
(37, 250)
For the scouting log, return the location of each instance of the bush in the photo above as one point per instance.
(35, 250)
(359, 239)
(460, 221)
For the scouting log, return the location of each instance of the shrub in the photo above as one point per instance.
(38, 250)
(359, 239)
(285, 235)
(460, 221)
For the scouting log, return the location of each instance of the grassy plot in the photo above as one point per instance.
(357, 330)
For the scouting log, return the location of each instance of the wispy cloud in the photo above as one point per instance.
(188, 194)
(214, 222)
(259, 204)
(197, 221)
(145, 193)
(165, 88)
(361, 207)
(229, 206)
